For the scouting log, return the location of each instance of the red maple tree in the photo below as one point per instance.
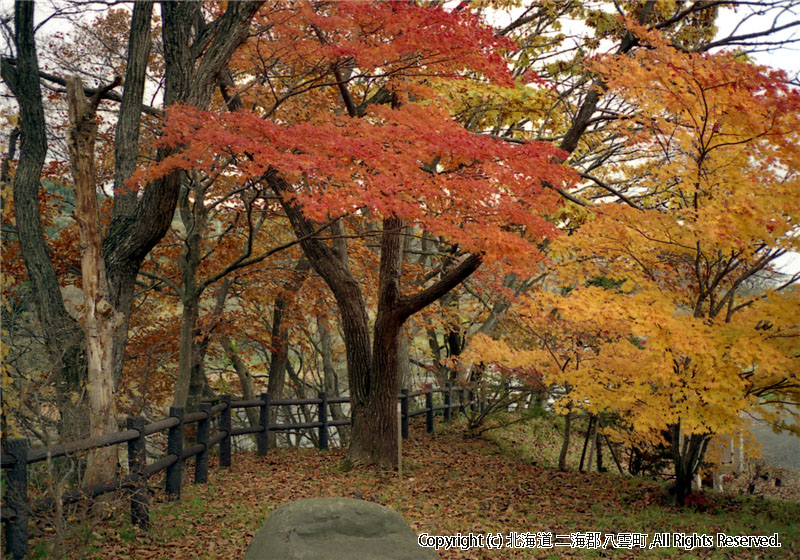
(355, 128)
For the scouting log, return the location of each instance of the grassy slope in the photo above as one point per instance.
(451, 485)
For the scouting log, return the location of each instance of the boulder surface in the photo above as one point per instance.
(336, 528)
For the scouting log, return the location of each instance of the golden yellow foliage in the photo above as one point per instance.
(700, 326)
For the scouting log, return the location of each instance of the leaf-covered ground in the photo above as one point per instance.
(451, 484)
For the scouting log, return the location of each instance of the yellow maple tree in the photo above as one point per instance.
(704, 329)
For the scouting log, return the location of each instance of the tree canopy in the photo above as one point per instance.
(366, 189)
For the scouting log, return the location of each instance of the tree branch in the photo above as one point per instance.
(612, 190)
(91, 92)
(243, 262)
(408, 305)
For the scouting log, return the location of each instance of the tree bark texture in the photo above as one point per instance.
(64, 339)
(195, 55)
(404, 357)
(98, 318)
(376, 440)
(194, 218)
(371, 368)
(687, 455)
(126, 153)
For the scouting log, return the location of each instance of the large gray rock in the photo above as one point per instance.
(336, 529)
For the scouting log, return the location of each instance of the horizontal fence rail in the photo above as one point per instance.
(17, 454)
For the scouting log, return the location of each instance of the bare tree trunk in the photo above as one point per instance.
(372, 372)
(99, 319)
(331, 379)
(140, 219)
(194, 217)
(279, 339)
(64, 338)
(592, 444)
(562, 456)
(188, 321)
(126, 154)
(245, 378)
(687, 455)
(404, 358)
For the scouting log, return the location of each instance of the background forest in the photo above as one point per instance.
(595, 201)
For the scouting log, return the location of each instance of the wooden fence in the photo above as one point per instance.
(17, 455)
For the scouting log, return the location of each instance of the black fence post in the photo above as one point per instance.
(472, 404)
(175, 447)
(448, 415)
(507, 389)
(203, 434)
(462, 400)
(225, 426)
(429, 410)
(323, 419)
(17, 498)
(137, 460)
(263, 422)
(404, 411)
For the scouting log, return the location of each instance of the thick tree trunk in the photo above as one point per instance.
(64, 339)
(375, 440)
(372, 372)
(687, 455)
(98, 318)
(355, 328)
(126, 153)
(141, 219)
